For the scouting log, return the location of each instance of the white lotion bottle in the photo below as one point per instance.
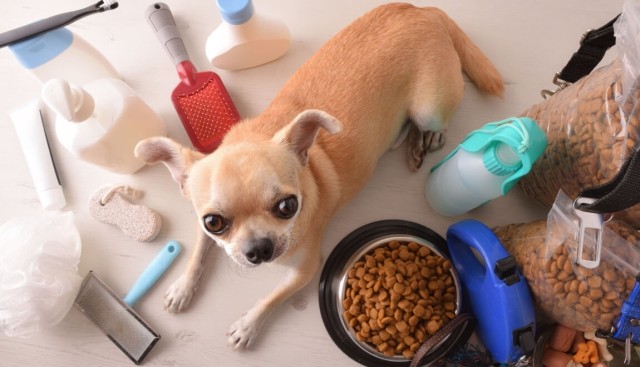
(62, 54)
(102, 122)
(245, 39)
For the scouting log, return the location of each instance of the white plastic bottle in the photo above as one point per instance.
(486, 165)
(62, 54)
(245, 38)
(102, 122)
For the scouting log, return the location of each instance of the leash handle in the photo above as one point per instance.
(453, 333)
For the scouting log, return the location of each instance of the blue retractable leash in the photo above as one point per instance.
(497, 292)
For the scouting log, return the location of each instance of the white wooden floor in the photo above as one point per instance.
(527, 40)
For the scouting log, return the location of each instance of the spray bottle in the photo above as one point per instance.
(486, 165)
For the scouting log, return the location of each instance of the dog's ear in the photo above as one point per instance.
(177, 158)
(301, 133)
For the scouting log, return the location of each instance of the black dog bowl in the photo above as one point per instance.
(333, 282)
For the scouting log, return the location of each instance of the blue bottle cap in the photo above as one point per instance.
(41, 49)
(235, 12)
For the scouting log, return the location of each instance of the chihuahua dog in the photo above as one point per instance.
(271, 187)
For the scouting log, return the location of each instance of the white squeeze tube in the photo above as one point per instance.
(27, 121)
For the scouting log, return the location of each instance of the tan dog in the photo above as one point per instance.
(273, 185)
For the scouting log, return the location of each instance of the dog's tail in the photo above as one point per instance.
(474, 62)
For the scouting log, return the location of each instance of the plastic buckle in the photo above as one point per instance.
(592, 221)
(546, 94)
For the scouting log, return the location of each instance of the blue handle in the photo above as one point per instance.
(473, 234)
(152, 273)
(502, 305)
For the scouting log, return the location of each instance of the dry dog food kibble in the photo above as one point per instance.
(581, 298)
(589, 133)
(398, 295)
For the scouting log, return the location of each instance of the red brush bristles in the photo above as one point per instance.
(207, 114)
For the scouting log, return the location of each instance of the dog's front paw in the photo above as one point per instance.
(179, 294)
(243, 332)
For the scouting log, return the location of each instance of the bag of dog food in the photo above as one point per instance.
(592, 125)
(563, 291)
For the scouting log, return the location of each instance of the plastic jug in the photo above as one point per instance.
(62, 54)
(245, 39)
(486, 165)
(102, 122)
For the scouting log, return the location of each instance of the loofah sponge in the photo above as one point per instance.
(109, 205)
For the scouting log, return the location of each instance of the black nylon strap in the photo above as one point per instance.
(622, 192)
(593, 46)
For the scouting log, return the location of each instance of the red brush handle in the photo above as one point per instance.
(187, 72)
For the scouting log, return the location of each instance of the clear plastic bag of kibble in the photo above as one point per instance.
(565, 292)
(592, 125)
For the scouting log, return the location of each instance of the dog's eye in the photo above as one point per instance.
(287, 207)
(215, 224)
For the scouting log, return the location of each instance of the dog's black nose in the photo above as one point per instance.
(259, 250)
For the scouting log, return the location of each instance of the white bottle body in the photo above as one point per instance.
(27, 121)
(462, 183)
(119, 121)
(242, 46)
(65, 55)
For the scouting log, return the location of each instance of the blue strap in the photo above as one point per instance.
(628, 323)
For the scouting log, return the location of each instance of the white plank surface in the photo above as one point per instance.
(527, 40)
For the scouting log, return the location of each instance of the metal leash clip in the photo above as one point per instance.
(524, 361)
(588, 221)
(546, 94)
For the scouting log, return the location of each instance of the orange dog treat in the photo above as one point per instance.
(603, 352)
(587, 353)
(581, 355)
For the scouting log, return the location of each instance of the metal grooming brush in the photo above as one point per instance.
(118, 321)
(114, 315)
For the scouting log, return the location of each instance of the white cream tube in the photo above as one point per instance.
(29, 126)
